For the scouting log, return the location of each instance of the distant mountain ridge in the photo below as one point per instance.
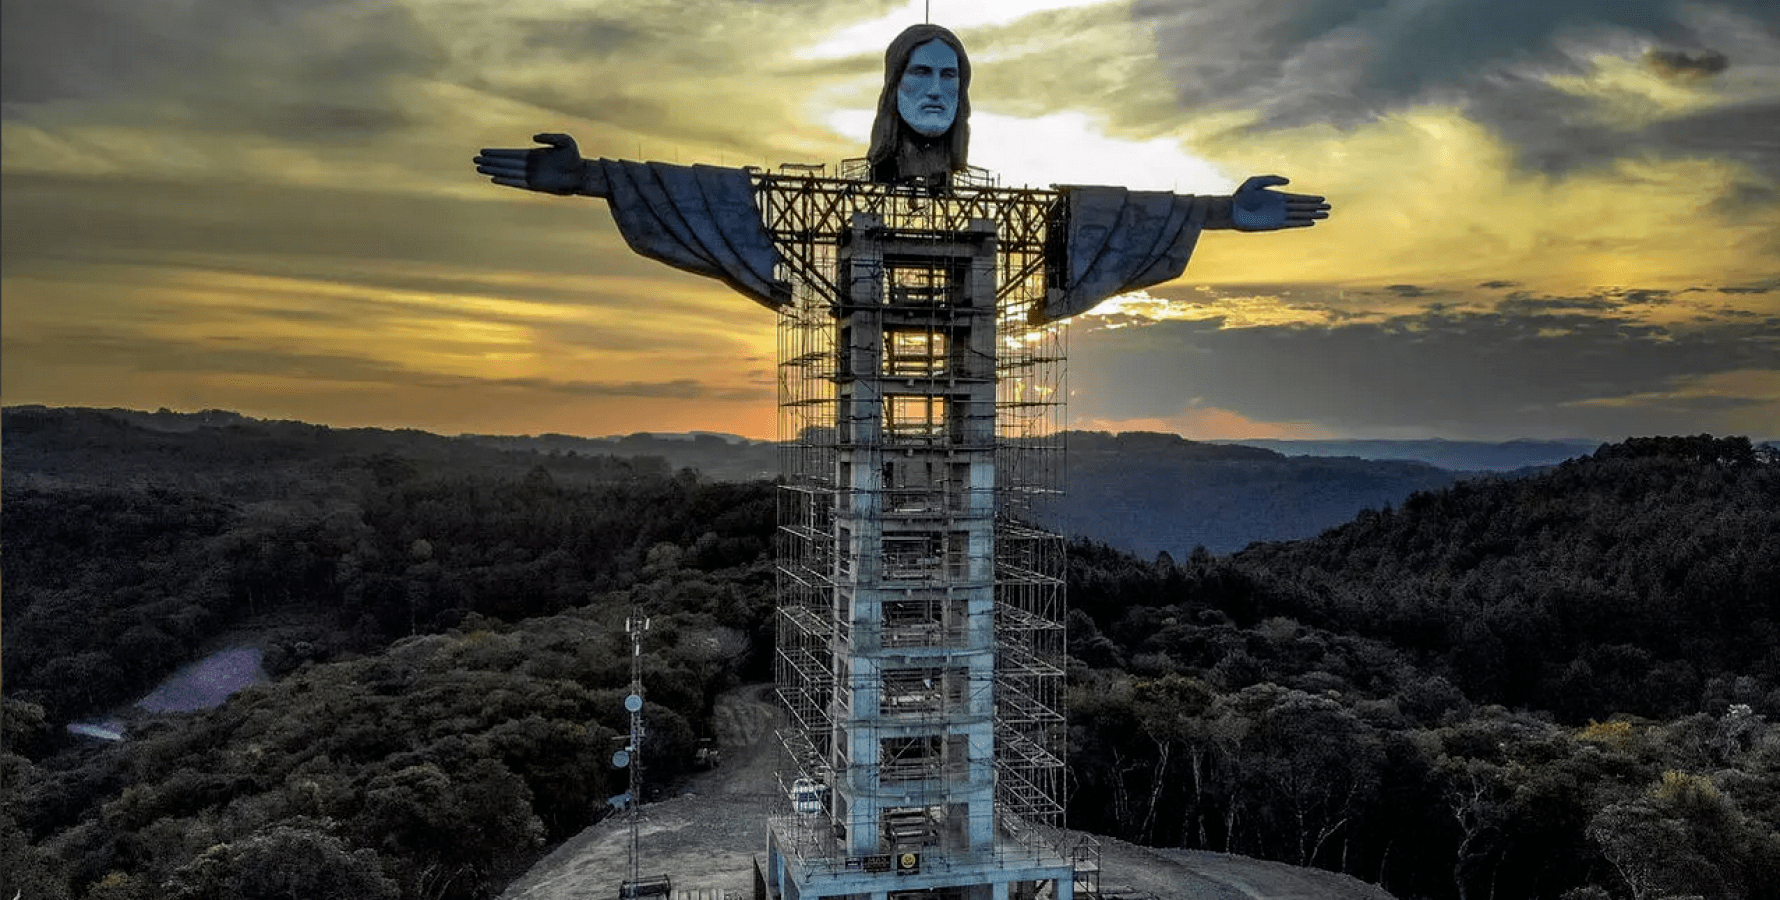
(220, 452)
(1463, 456)
(719, 457)
(1143, 492)
(1149, 493)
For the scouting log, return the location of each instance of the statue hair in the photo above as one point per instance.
(889, 133)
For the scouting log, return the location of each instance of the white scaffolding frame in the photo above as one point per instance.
(936, 421)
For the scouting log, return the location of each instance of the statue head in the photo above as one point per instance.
(914, 134)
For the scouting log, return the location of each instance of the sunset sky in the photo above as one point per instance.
(1552, 218)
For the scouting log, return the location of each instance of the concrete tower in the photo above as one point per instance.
(920, 633)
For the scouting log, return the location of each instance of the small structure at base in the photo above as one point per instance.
(646, 888)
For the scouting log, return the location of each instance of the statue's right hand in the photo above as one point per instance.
(554, 169)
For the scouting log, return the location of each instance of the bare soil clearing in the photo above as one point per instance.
(707, 838)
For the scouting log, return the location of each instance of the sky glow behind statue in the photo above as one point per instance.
(920, 607)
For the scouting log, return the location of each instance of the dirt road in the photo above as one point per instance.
(707, 837)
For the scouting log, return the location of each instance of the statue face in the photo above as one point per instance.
(927, 96)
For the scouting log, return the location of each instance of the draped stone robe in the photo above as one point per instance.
(707, 220)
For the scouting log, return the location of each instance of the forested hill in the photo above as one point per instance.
(1149, 493)
(444, 628)
(1563, 686)
(1627, 581)
(128, 547)
(225, 453)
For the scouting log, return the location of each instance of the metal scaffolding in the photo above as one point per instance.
(920, 621)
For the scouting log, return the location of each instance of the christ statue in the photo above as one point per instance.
(920, 631)
(708, 220)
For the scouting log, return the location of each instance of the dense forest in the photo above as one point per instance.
(1554, 686)
(444, 630)
(1558, 686)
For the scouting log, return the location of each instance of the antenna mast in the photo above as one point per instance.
(635, 625)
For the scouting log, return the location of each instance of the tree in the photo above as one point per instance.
(1307, 764)
(284, 862)
(1170, 711)
(455, 833)
(1476, 795)
(26, 869)
(1681, 837)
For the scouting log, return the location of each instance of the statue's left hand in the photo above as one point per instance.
(1255, 208)
(554, 169)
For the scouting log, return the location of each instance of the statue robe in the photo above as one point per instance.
(1116, 240)
(702, 219)
(706, 220)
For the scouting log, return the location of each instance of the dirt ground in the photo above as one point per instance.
(707, 837)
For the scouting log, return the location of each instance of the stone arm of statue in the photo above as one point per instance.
(1255, 208)
(699, 219)
(553, 169)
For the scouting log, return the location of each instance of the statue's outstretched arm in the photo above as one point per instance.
(553, 169)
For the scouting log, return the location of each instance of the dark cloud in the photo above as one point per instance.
(1498, 285)
(220, 359)
(1642, 296)
(1347, 62)
(307, 231)
(585, 35)
(1556, 133)
(1686, 65)
(74, 345)
(1409, 290)
(1548, 130)
(304, 70)
(1521, 303)
(680, 73)
(1743, 197)
(677, 389)
(385, 249)
(1746, 132)
(1498, 374)
(1344, 61)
